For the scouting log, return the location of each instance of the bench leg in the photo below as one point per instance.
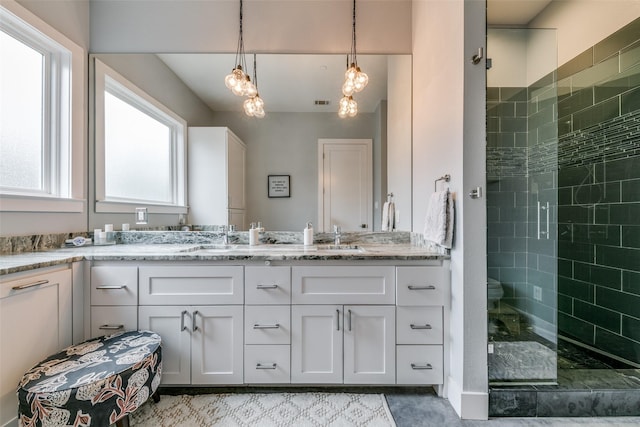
(156, 397)
(123, 422)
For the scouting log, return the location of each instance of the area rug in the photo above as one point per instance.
(266, 410)
(522, 360)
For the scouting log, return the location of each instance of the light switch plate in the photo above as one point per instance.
(142, 217)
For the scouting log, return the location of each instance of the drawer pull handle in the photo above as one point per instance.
(111, 287)
(274, 326)
(111, 327)
(268, 366)
(418, 367)
(182, 325)
(274, 286)
(337, 320)
(195, 327)
(421, 288)
(420, 326)
(349, 318)
(29, 285)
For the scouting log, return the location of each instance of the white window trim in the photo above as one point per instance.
(105, 76)
(68, 164)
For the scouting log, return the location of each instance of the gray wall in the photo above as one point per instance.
(287, 144)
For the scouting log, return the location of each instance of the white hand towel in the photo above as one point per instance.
(392, 216)
(438, 223)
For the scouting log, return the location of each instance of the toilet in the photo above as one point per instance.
(494, 292)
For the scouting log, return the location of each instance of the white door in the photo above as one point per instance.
(173, 324)
(369, 345)
(345, 184)
(217, 347)
(316, 344)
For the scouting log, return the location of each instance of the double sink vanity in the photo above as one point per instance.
(362, 313)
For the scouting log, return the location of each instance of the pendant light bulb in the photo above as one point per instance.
(353, 107)
(259, 113)
(348, 88)
(351, 72)
(360, 80)
(249, 107)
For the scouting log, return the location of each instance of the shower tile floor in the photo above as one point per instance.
(588, 384)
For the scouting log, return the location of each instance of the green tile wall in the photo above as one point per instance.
(599, 196)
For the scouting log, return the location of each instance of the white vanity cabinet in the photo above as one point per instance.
(35, 322)
(216, 177)
(347, 344)
(267, 335)
(335, 337)
(422, 299)
(114, 299)
(198, 312)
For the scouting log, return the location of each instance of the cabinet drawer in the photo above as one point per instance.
(193, 285)
(343, 285)
(422, 285)
(267, 324)
(419, 364)
(419, 325)
(114, 285)
(266, 364)
(107, 320)
(267, 285)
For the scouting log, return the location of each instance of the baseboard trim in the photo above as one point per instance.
(468, 405)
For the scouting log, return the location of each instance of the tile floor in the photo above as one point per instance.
(424, 409)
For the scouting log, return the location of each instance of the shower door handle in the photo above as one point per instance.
(544, 208)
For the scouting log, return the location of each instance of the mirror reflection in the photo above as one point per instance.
(301, 94)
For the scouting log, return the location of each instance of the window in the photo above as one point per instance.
(39, 170)
(140, 150)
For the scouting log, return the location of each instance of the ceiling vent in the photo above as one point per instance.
(321, 102)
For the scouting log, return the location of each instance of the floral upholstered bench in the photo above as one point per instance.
(96, 383)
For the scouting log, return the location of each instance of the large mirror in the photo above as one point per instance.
(301, 94)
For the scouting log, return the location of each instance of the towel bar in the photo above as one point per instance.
(445, 178)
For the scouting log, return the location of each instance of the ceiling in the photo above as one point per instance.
(514, 12)
(287, 83)
(292, 83)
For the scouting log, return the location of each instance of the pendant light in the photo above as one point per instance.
(354, 78)
(254, 105)
(238, 80)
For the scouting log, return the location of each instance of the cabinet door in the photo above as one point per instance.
(35, 322)
(369, 345)
(316, 344)
(216, 348)
(173, 324)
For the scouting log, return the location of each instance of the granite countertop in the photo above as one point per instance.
(214, 252)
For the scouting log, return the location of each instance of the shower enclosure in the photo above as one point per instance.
(522, 176)
(563, 201)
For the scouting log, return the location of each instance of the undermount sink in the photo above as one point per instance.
(340, 248)
(211, 248)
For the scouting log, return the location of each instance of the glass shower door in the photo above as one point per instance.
(522, 141)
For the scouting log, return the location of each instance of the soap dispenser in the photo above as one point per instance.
(254, 237)
(308, 235)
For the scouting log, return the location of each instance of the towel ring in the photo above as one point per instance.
(445, 178)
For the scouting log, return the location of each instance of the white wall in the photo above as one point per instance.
(283, 26)
(449, 137)
(287, 144)
(583, 23)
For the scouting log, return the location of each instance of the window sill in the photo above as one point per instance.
(15, 203)
(125, 207)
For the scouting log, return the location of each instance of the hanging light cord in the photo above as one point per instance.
(354, 60)
(255, 73)
(240, 59)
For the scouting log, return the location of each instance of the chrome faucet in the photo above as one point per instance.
(337, 234)
(226, 230)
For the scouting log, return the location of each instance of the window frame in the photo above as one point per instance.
(105, 78)
(64, 90)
